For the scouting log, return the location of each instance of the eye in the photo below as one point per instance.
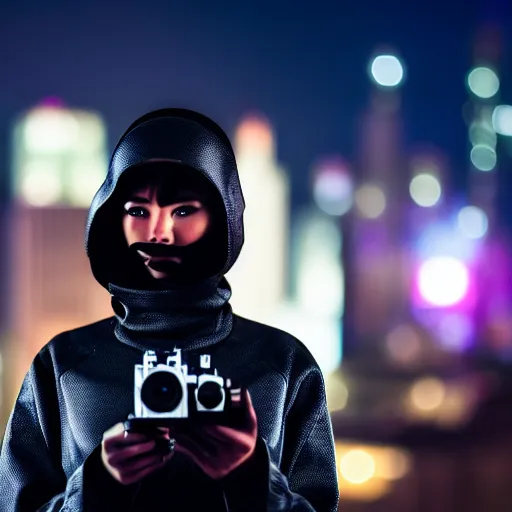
(137, 211)
(185, 211)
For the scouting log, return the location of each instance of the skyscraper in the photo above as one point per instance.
(314, 311)
(484, 86)
(259, 277)
(376, 282)
(494, 270)
(59, 159)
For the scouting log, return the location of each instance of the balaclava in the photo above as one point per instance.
(172, 148)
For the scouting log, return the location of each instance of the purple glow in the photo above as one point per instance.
(443, 240)
(452, 330)
(443, 281)
(455, 331)
(52, 101)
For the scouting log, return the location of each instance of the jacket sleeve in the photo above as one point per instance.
(307, 478)
(31, 474)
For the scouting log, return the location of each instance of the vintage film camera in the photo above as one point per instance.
(167, 392)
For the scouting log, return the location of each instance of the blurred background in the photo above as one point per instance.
(374, 142)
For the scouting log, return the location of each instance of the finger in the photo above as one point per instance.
(131, 438)
(119, 431)
(116, 429)
(118, 456)
(122, 440)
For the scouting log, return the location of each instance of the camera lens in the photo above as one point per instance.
(209, 394)
(161, 392)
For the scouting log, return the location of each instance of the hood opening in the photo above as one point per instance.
(120, 265)
(181, 143)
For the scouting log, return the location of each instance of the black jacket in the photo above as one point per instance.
(81, 383)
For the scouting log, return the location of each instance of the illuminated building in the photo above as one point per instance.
(484, 88)
(259, 278)
(314, 312)
(59, 159)
(429, 200)
(441, 256)
(376, 288)
(318, 278)
(488, 120)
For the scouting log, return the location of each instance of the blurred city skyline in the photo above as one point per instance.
(391, 248)
(306, 70)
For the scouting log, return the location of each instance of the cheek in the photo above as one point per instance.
(132, 230)
(192, 229)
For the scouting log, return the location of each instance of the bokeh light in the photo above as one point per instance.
(455, 331)
(502, 120)
(483, 82)
(41, 185)
(443, 281)
(445, 239)
(473, 222)
(367, 472)
(333, 189)
(370, 201)
(482, 133)
(457, 406)
(51, 130)
(483, 157)
(393, 464)
(403, 344)
(254, 136)
(427, 393)
(425, 190)
(387, 70)
(357, 466)
(336, 391)
(85, 177)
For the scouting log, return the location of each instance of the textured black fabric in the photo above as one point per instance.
(163, 319)
(177, 139)
(82, 382)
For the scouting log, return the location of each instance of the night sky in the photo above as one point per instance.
(304, 67)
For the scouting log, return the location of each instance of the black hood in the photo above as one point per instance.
(179, 136)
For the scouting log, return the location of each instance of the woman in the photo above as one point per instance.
(163, 230)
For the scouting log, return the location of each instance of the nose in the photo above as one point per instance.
(163, 229)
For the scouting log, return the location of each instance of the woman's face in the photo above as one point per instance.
(182, 220)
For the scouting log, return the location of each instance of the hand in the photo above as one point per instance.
(130, 456)
(217, 449)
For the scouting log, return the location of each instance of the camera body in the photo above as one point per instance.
(165, 388)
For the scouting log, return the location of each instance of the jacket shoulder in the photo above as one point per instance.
(278, 344)
(68, 347)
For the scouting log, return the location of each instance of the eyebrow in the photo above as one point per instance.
(180, 197)
(138, 199)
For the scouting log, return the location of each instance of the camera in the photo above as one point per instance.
(168, 391)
